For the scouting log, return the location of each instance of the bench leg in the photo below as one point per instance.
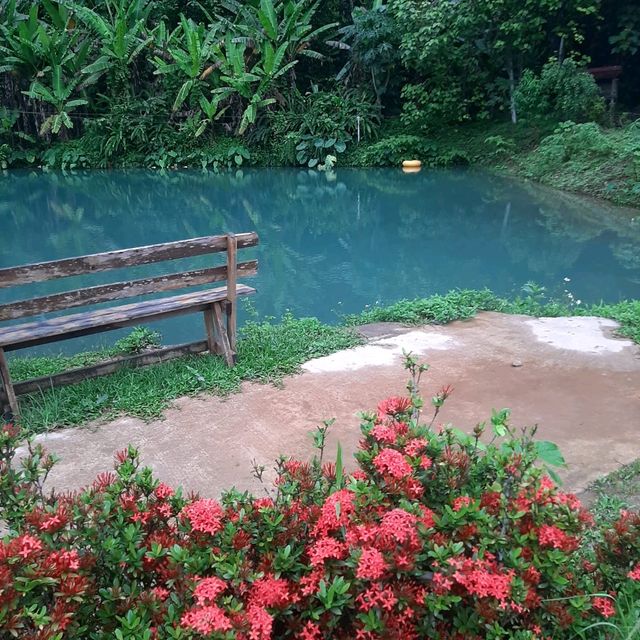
(7, 384)
(232, 324)
(222, 335)
(211, 334)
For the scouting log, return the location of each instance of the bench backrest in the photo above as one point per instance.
(67, 267)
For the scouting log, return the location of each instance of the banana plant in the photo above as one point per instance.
(263, 42)
(30, 46)
(192, 52)
(288, 22)
(49, 53)
(250, 84)
(123, 34)
(297, 28)
(59, 96)
(210, 108)
(19, 45)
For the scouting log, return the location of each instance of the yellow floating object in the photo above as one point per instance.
(411, 164)
(411, 169)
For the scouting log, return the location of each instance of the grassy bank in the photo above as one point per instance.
(581, 158)
(267, 351)
(463, 304)
(603, 163)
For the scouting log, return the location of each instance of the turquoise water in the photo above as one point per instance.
(330, 245)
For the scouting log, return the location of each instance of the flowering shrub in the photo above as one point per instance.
(436, 535)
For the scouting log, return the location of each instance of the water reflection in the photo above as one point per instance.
(331, 243)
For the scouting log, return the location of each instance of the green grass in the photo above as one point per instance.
(599, 162)
(463, 304)
(267, 352)
(619, 489)
(595, 161)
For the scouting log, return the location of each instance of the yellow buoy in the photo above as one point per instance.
(411, 166)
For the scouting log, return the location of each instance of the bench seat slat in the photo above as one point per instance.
(90, 322)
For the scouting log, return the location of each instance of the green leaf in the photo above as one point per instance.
(269, 58)
(182, 94)
(56, 82)
(76, 103)
(549, 453)
(339, 469)
(499, 421)
(340, 146)
(312, 163)
(268, 19)
(554, 476)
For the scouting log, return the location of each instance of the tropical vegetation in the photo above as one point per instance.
(222, 83)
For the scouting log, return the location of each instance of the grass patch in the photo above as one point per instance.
(619, 489)
(266, 352)
(464, 304)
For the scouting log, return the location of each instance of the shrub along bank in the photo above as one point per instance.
(439, 534)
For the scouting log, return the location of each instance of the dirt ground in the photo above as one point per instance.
(570, 376)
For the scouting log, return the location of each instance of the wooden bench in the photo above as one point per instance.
(218, 305)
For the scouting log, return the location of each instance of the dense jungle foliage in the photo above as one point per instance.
(221, 83)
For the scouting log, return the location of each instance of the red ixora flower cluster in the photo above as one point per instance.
(432, 536)
(204, 515)
(62, 569)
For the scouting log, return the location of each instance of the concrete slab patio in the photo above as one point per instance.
(571, 376)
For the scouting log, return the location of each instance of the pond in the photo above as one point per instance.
(330, 244)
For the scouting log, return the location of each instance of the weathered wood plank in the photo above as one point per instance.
(210, 331)
(232, 279)
(90, 322)
(105, 368)
(96, 262)
(223, 338)
(120, 291)
(7, 386)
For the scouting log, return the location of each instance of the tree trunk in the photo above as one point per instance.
(512, 89)
(375, 87)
